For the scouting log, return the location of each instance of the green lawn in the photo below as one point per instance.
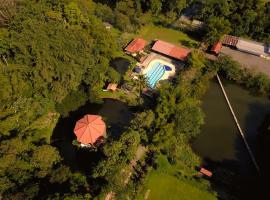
(152, 32)
(164, 185)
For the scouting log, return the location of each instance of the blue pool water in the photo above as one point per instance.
(155, 73)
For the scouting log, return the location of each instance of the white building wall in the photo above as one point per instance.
(252, 47)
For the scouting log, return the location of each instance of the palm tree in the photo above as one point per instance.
(141, 83)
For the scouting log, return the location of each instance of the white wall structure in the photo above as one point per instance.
(255, 48)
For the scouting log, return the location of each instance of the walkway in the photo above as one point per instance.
(248, 61)
(238, 125)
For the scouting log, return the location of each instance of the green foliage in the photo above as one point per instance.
(105, 13)
(216, 28)
(165, 182)
(54, 56)
(130, 15)
(246, 18)
(196, 60)
(259, 82)
(117, 153)
(77, 182)
(179, 116)
(71, 102)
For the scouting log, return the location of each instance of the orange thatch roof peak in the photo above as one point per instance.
(89, 129)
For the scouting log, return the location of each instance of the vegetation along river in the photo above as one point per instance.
(220, 144)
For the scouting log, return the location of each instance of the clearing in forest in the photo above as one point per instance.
(152, 32)
(163, 184)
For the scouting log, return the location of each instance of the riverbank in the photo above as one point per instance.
(219, 144)
(172, 186)
(251, 62)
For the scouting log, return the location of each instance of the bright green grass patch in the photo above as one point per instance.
(152, 32)
(163, 184)
(129, 98)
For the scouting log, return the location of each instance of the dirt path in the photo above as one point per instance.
(249, 61)
(139, 154)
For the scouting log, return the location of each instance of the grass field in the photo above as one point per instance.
(164, 185)
(152, 32)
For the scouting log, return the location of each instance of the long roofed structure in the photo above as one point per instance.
(171, 50)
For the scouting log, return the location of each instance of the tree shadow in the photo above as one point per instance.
(235, 176)
(116, 115)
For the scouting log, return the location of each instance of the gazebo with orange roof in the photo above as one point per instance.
(90, 129)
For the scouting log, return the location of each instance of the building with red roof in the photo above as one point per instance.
(216, 48)
(230, 40)
(171, 50)
(206, 172)
(136, 45)
(90, 129)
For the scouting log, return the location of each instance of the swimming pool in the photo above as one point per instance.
(155, 74)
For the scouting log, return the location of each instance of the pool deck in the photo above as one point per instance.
(167, 74)
(154, 57)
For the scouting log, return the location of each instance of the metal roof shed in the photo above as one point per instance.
(255, 48)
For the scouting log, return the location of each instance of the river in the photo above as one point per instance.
(219, 144)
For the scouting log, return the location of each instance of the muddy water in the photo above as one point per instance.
(220, 145)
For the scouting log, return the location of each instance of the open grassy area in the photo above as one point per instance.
(152, 32)
(129, 98)
(164, 185)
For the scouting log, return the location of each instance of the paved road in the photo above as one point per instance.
(249, 61)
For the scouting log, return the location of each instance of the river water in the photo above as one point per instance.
(219, 144)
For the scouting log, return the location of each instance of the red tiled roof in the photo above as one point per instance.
(89, 129)
(230, 40)
(216, 47)
(171, 50)
(136, 45)
(206, 172)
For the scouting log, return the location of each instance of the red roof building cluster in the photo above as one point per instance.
(171, 50)
(90, 129)
(216, 48)
(230, 40)
(136, 45)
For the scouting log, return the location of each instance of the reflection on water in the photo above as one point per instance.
(116, 115)
(219, 143)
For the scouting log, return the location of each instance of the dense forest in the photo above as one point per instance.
(54, 50)
(241, 18)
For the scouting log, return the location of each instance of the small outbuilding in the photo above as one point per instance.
(216, 48)
(206, 172)
(136, 46)
(112, 87)
(90, 130)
